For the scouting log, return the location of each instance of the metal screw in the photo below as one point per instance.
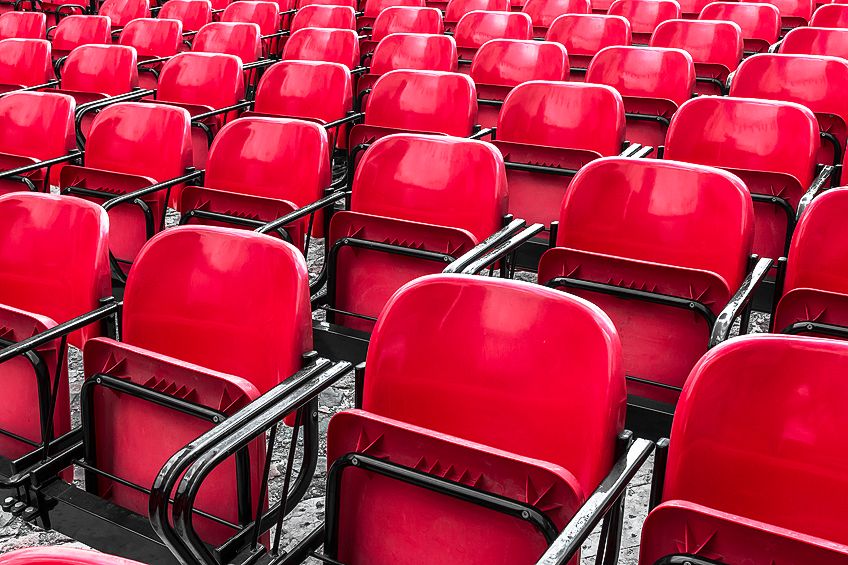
(314, 413)
(215, 419)
(98, 380)
(525, 514)
(809, 326)
(8, 502)
(354, 461)
(691, 305)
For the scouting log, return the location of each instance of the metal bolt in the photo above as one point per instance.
(525, 514)
(691, 305)
(809, 326)
(314, 413)
(354, 461)
(7, 504)
(98, 380)
(18, 508)
(216, 419)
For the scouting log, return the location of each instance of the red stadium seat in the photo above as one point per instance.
(193, 14)
(95, 72)
(246, 180)
(406, 215)
(584, 35)
(329, 45)
(544, 12)
(457, 8)
(23, 25)
(819, 83)
(443, 422)
(303, 3)
(719, 493)
(62, 556)
(645, 15)
(74, 31)
(152, 39)
(34, 127)
(403, 19)
(24, 63)
(502, 64)
(240, 39)
(653, 81)
(122, 12)
(410, 51)
(317, 15)
(373, 8)
(814, 297)
(53, 267)
(794, 13)
(562, 125)
(771, 146)
(759, 22)
(119, 160)
(691, 9)
(830, 15)
(476, 28)
(263, 14)
(816, 41)
(716, 49)
(190, 291)
(661, 247)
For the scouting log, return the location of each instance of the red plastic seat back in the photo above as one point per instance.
(102, 69)
(414, 51)
(122, 12)
(458, 8)
(25, 62)
(316, 15)
(195, 288)
(407, 19)
(75, 30)
(153, 37)
(374, 7)
(759, 22)
(645, 15)
(263, 14)
(544, 12)
(297, 169)
(509, 62)
(319, 44)
(420, 370)
(123, 134)
(830, 15)
(68, 555)
(240, 39)
(194, 14)
(759, 413)
(709, 42)
(396, 178)
(690, 9)
(794, 13)
(423, 101)
(37, 125)
(567, 115)
(665, 212)
(23, 25)
(54, 259)
(584, 35)
(207, 79)
(816, 41)
(304, 3)
(476, 28)
(306, 89)
(645, 72)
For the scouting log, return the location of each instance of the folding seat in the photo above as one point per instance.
(119, 160)
(583, 35)
(317, 15)
(303, 3)
(25, 63)
(203, 84)
(433, 102)
(320, 44)
(23, 25)
(153, 39)
(408, 218)
(476, 28)
(759, 22)
(645, 15)
(653, 81)
(194, 14)
(691, 9)
(816, 41)
(830, 15)
(715, 47)
(502, 64)
(408, 51)
(771, 146)
(53, 267)
(74, 31)
(817, 82)
(122, 12)
(794, 13)
(54, 555)
(544, 12)
(632, 239)
(402, 19)
(34, 127)
(758, 413)
(373, 8)
(264, 14)
(455, 9)
(261, 169)
(233, 38)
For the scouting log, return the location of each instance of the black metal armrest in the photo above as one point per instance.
(636, 151)
(84, 109)
(359, 71)
(40, 165)
(599, 504)
(630, 149)
(350, 118)
(501, 250)
(483, 133)
(819, 184)
(260, 64)
(774, 48)
(218, 111)
(48, 84)
(485, 246)
(147, 190)
(155, 60)
(282, 33)
(324, 202)
(740, 300)
(60, 330)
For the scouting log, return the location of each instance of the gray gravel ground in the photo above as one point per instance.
(14, 533)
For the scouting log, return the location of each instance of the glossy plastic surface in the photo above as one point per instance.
(509, 62)
(708, 42)
(476, 28)
(645, 72)
(544, 12)
(194, 14)
(319, 44)
(205, 79)
(307, 89)
(240, 39)
(316, 15)
(122, 12)
(406, 19)
(816, 41)
(75, 30)
(374, 7)
(263, 14)
(690, 9)
(830, 15)
(583, 35)
(23, 25)
(458, 8)
(24, 62)
(645, 15)
(414, 51)
(794, 13)
(759, 22)
(153, 37)
(101, 69)
(62, 556)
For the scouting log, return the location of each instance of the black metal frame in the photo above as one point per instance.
(19, 173)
